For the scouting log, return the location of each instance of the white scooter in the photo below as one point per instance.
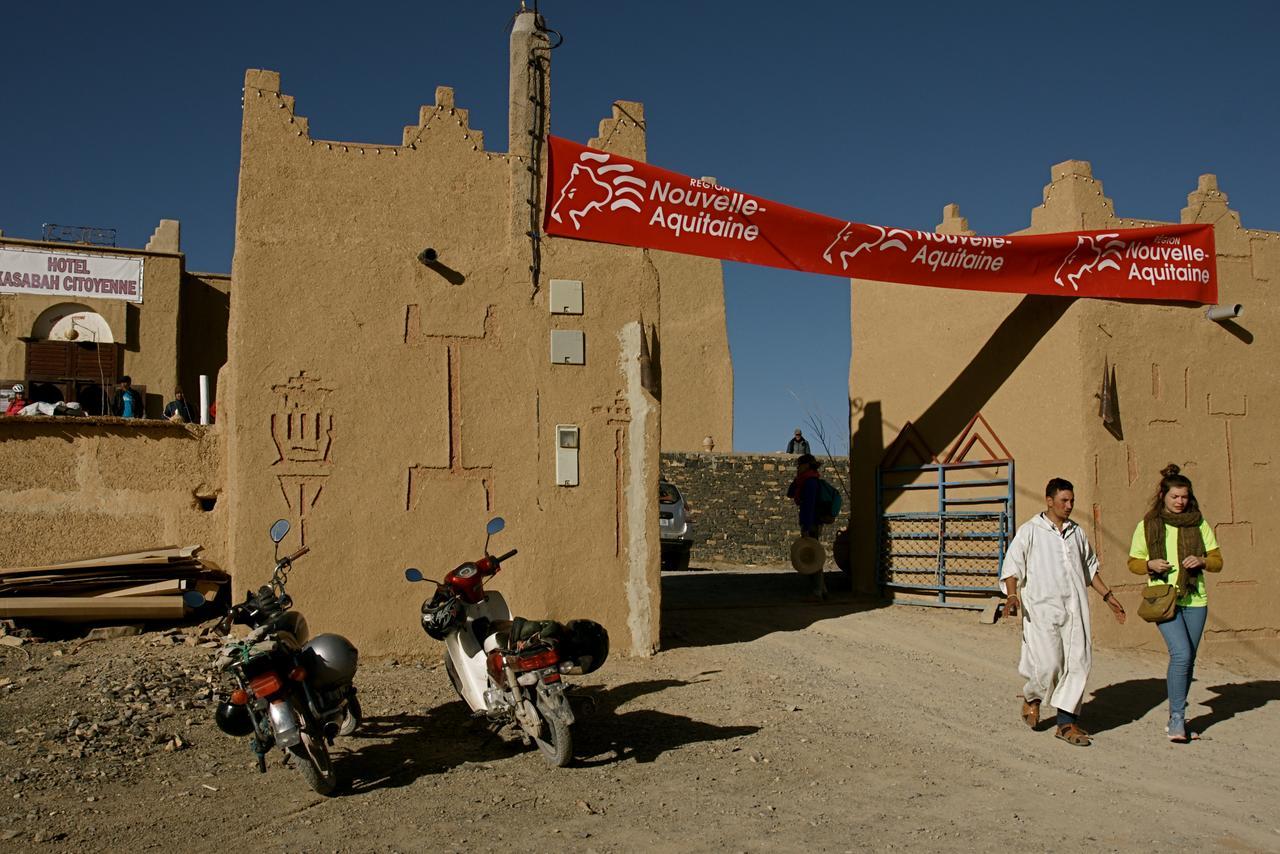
(510, 670)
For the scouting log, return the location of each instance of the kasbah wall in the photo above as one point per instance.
(1189, 391)
(387, 407)
(77, 488)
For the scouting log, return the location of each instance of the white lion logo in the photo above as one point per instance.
(1091, 252)
(594, 187)
(847, 234)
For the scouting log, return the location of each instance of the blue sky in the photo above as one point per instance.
(122, 115)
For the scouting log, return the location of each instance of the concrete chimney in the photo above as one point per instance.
(528, 43)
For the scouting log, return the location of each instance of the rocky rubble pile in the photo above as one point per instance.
(79, 712)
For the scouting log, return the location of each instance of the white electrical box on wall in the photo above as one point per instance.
(568, 347)
(566, 455)
(566, 296)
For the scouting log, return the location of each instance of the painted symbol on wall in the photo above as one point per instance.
(595, 187)
(878, 241)
(1092, 252)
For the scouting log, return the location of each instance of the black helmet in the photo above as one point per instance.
(233, 719)
(588, 644)
(440, 614)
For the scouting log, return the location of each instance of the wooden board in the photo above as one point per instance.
(99, 583)
(84, 608)
(162, 555)
(173, 586)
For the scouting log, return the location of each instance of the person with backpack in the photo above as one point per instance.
(812, 499)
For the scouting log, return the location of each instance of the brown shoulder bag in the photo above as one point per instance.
(1158, 602)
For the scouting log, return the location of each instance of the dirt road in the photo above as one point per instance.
(767, 724)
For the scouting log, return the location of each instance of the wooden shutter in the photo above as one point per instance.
(95, 364)
(49, 360)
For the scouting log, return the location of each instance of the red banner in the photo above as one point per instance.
(593, 195)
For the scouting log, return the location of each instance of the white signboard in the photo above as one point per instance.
(42, 272)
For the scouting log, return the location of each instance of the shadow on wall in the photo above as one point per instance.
(865, 452)
(206, 313)
(713, 608)
(1006, 348)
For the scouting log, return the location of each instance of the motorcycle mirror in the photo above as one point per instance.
(413, 574)
(278, 530)
(193, 599)
(496, 524)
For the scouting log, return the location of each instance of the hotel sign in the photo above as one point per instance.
(41, 272)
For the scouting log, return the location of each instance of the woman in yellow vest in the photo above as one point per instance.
(1173, 544)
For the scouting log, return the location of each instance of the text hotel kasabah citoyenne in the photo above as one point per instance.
(51, 273)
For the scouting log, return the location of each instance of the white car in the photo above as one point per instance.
(674, 526)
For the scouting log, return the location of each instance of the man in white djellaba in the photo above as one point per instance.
(1047, 568)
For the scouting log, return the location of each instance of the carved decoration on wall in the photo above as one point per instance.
(302, 425)
(618, 413)
(418, 476)
(302, 431)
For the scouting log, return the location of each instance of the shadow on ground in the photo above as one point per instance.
(1234, 699)
(395, 750)
(1125, 702)
(1117, 705)
(607, 735)
(735, 606)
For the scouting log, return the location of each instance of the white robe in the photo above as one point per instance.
(1053, 571)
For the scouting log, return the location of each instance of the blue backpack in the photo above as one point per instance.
(829, 502)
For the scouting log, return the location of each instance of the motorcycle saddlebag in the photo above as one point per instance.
(585, 642)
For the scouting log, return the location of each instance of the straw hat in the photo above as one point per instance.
(807, 555)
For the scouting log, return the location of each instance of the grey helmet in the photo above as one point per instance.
(330, 661)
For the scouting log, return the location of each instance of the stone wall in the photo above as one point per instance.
(741, 512)
(73, 489)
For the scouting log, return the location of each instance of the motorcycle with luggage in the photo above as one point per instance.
(291, 690)
(509, 670)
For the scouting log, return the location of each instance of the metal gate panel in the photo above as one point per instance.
(944, 548)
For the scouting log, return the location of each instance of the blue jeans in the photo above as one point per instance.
(1182, 636)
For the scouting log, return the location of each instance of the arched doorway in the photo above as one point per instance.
(72, 356)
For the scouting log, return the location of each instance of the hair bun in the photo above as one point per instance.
(1170, 470)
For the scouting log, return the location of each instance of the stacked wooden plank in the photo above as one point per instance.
(145, 585)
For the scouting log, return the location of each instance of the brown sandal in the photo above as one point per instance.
(1031, 713)
(1072, 734)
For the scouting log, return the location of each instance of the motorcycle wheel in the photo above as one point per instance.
(557, 748)
(352, 721)
(316, 766)
(453, 677)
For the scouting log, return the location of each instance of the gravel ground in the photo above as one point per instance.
(768, 723)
